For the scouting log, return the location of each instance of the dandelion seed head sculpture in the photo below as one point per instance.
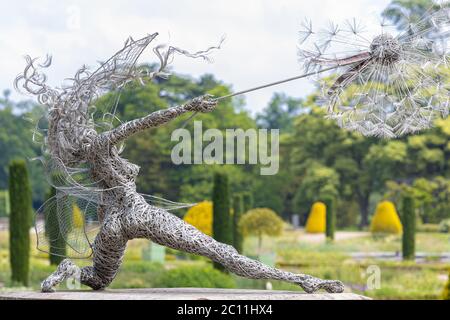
(389, 83)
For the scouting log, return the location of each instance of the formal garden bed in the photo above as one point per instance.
(294, 252)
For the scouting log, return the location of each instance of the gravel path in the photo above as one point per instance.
(340, 235)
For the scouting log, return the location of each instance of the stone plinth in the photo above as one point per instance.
(177, 294)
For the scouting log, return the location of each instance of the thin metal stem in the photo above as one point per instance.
(276, 83)
(266, 86)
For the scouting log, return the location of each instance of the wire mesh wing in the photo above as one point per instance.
(116, 71)
(66, 226)
(164, 203)
(110, 77)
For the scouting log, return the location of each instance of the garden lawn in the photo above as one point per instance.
(399, 280)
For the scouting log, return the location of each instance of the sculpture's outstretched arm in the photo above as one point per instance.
(201, 104)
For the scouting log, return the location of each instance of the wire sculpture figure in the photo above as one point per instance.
(81, 156)
(393, 83)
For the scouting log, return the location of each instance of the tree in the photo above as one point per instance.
(238, 211)
(222, 224)
(16, 143)
(384, 160)
(430, 197)
(57, 244)
(280, 112)
(152, 148)
(247, 199)
(318, 182)
(409, 228)
(327, 157)
(260, 222)
(20, 221)
(403, 12)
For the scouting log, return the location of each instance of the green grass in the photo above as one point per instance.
(425, 242)
(399, 280)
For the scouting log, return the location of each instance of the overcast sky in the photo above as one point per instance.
(261, 35)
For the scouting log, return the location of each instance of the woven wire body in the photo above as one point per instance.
(390, 83)
(83, 162)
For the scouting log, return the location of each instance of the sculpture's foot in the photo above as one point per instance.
(312, 285)
(65, 270)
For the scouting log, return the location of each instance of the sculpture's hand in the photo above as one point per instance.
(202, 104)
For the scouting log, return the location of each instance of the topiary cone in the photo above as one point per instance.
(386, 219)
(316, 222)
(201, 216)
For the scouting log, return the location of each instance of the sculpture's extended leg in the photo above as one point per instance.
(109, 247)
(164, 228)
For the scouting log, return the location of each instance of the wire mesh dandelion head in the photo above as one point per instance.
(389, 82)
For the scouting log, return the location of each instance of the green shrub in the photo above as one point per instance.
(201, 277)
(409, 228)
(19, 221)
(145, 267)
(444, 226)
(428, 227)
(4, 203)
(238, 210)
(222, 224)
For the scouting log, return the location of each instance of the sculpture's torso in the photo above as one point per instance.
(111, 173)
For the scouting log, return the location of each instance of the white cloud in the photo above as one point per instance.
(260, 46)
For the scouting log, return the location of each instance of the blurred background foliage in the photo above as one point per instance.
(316, 157)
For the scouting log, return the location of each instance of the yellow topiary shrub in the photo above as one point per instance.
(78, 219)
(200, 216)
(386, 219)
(316, 222)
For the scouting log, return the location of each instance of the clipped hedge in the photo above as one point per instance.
(196, 277)
(222, 220)
(409, 234)
(19, 221)
(330, 217)
(238, 211)
(247, 199)
(53, 232)
(4, 203)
